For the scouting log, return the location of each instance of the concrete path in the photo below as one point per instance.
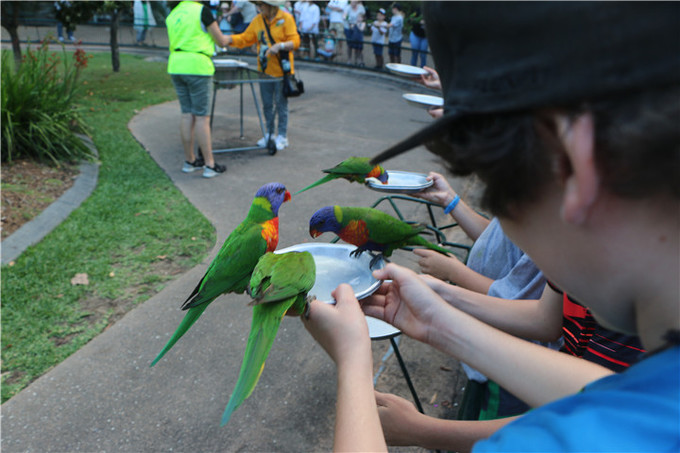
(106, 398)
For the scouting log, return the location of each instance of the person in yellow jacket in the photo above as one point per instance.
(193, 33)
(285, 40)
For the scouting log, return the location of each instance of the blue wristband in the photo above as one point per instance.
(452, 205)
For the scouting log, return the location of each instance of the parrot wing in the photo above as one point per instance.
(231, 269)
(382, 227)
(351, 166)
(280, 276)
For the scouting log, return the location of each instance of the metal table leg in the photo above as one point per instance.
(395, 347)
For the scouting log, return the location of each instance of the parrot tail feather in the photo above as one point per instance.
(265, 324)
(425, 243)
(323, 180)
(189, 319)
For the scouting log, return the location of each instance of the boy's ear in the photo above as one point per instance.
(581, 184)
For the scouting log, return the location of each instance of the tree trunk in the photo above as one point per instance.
(115, 55)
(16, 46)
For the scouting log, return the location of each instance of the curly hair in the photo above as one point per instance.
(637, 148)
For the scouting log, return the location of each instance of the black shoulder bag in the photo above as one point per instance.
(292, 86)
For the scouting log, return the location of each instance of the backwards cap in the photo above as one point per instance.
(496, 57)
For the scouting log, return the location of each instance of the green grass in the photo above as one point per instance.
(130, 236)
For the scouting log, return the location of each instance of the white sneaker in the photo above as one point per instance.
(263, 141)
(281, 142)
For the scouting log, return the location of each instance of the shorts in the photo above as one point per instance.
(378, 49)
(339, 28)
(394, 48)
(193, 92)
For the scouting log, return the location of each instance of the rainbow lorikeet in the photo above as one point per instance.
(230, 271)
(353, 169)
(279, 285)
(369, 229)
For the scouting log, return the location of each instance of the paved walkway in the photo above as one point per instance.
(105, 398)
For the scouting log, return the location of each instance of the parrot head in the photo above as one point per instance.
(275, 193)
(324, 220)
(378, 173)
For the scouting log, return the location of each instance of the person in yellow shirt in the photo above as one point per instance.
(285, 40)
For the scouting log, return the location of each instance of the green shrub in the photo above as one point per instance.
(38, 118)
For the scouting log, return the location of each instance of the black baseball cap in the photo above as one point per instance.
(498, 57)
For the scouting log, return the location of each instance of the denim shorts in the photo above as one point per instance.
(193, 92)
(394, 48)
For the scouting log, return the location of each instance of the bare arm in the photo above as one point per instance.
(539, 319)
(442, 194)
(403, 425)
(535, 374)
(451, 269)
(220, 39)
(342, 331)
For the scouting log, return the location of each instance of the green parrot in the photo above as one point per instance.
(279, 285)
(369, 229)
(230, 271)
(353, 169)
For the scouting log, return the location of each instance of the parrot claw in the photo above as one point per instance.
(356, 253)
(375, 260)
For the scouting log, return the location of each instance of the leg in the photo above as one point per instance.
(202, 131)
(186, 129)
(415, 46)
(282, 112)
(423, 52)
(267, 93)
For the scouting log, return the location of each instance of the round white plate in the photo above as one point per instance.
(424, 100)
(405, 70)
(401, 182)
(335, 266)
(229, 63)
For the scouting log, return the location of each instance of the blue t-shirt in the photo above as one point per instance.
(637, 410)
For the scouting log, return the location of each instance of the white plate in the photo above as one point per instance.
(424, 100)
(229, 63)
(405, 70)
(401, 182)
(335, 266)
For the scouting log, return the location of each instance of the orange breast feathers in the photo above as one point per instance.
(377, 170)
(355, 233)
(270, 233)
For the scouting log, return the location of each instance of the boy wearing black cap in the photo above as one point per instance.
(569, 112)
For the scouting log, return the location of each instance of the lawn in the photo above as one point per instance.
(134, 233)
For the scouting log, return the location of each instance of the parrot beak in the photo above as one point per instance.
(287, 196)
(314, 233)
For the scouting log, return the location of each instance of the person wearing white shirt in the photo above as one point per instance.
(336, 12)
(308, 26)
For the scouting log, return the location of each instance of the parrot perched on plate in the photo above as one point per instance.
(353, 169)
(369, 229)
(230, 271)
(279, 285)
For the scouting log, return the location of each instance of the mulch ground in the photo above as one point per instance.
(29, 187)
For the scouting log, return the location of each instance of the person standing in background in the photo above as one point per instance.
(396, 30)
(192, 34)
(336, 12)
(352, 13)
(308, 25)
(378, 32)
(143, 19)
(418, 39)
(281, 25)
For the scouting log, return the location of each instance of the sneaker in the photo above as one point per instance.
(190, 167)
(263, 141)
(211, 172)
(281, 142)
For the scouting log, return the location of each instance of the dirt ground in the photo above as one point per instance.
(28, 188)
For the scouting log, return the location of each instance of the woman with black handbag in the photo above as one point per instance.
(276, 36)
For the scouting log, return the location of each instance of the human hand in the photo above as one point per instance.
(436, 113)
(439, 192)
(406, 302)
(273, 50)
(431, 79)
(436, 264)
(398, 418)
(340, 329)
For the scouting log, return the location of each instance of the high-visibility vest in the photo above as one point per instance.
(191, 48)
